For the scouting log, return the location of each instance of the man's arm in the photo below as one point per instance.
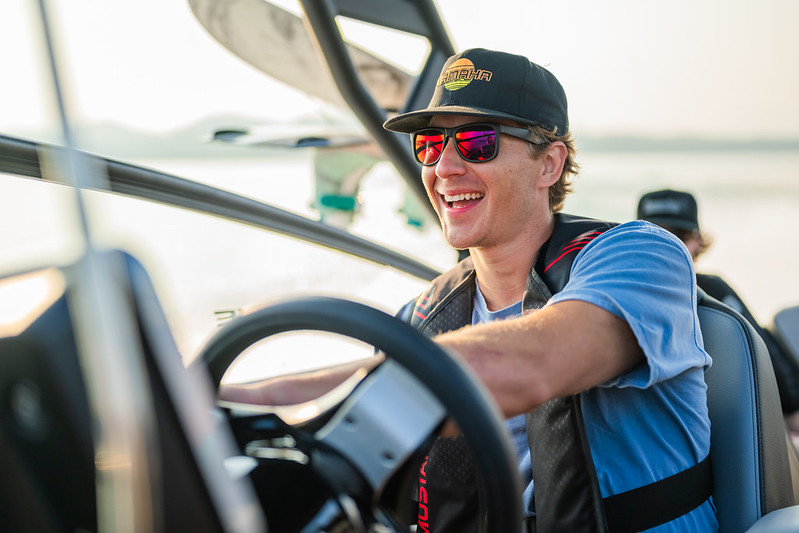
(630, 294)
(562, 349)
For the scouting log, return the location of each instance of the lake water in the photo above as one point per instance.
(748, 203)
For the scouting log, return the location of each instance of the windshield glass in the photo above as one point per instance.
(156, 102)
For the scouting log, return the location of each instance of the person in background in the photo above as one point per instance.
(677, 212)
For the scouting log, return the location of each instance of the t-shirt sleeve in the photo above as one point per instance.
(643, 274)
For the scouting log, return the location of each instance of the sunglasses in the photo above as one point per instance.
(476, 143)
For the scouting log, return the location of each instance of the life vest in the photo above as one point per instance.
(567, 494)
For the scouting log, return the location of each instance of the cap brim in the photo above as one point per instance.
(416, 120)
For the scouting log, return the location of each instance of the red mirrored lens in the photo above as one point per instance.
(428, 145)
(476, 143)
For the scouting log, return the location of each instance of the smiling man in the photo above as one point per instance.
(584, 331)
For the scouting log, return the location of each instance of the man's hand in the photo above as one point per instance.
(296, 388)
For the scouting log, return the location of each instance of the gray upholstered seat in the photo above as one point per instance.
(755, 468)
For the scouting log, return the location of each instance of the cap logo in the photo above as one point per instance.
(461, 73)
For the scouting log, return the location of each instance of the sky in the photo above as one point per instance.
(715, 68)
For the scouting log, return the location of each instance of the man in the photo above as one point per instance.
(602, 382)
(678, 213)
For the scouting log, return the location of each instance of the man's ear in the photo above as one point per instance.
(554, 159)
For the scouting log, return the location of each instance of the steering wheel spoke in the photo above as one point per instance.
(385, 420)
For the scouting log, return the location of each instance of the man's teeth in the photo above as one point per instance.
(460, 197)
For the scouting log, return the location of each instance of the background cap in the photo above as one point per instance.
(490, 84)
(674, 209)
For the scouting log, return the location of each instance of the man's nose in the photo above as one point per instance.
(450, 162)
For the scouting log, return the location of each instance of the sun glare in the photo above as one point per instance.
(23, 298)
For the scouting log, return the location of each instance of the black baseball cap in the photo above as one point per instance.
(490, 84)
(672, 209)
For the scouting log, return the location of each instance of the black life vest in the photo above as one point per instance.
(567, 494)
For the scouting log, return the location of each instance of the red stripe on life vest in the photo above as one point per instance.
(424, 301)
(558, 259)
(577, 244)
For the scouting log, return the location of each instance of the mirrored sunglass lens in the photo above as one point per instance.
(428, 145)
(477, 143)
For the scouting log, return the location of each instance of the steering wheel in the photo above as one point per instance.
(391, 416)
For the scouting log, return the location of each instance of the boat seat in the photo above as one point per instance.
(755, 467)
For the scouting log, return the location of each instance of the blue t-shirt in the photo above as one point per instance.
(651, 422)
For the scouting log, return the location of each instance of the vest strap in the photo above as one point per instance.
(661, 501)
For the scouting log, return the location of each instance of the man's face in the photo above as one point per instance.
(487, 204)
(695, 244)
